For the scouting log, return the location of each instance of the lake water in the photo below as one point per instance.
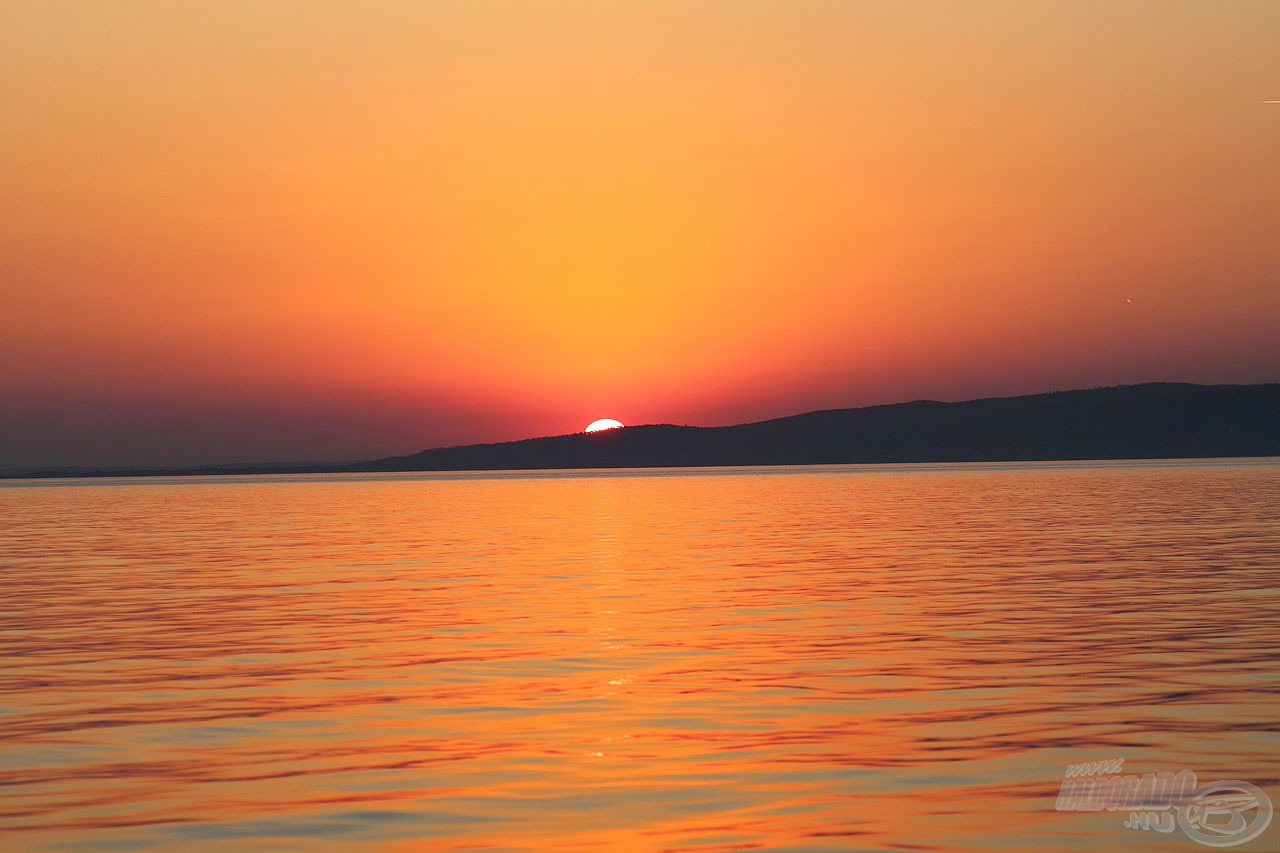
(846, 658)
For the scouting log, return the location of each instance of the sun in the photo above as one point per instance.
(603, 424)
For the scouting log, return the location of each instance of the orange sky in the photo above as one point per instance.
(236, 231)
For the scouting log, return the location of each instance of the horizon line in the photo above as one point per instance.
(320, 466)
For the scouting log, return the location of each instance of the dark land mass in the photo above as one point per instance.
(1151, 421)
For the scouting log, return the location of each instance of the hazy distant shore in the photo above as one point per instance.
(1150, 421)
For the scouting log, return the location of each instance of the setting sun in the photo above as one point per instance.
(603, 424)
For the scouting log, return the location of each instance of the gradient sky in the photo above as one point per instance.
(252, 231)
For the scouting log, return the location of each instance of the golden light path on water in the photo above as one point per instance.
(894, 658)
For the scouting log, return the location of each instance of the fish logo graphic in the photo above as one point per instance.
(1224, 814)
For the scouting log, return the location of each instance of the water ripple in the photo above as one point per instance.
(878, 658)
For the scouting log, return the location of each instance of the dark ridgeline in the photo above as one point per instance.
(1152, 421)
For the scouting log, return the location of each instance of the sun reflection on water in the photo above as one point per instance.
(897, 658)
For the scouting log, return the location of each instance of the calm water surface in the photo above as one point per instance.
(851, 658)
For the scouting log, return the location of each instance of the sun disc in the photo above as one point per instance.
(603, 424)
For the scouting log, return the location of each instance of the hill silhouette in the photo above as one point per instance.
(1150, 421)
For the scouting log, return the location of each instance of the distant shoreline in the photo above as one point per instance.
(1132, 422)
(971, 465)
